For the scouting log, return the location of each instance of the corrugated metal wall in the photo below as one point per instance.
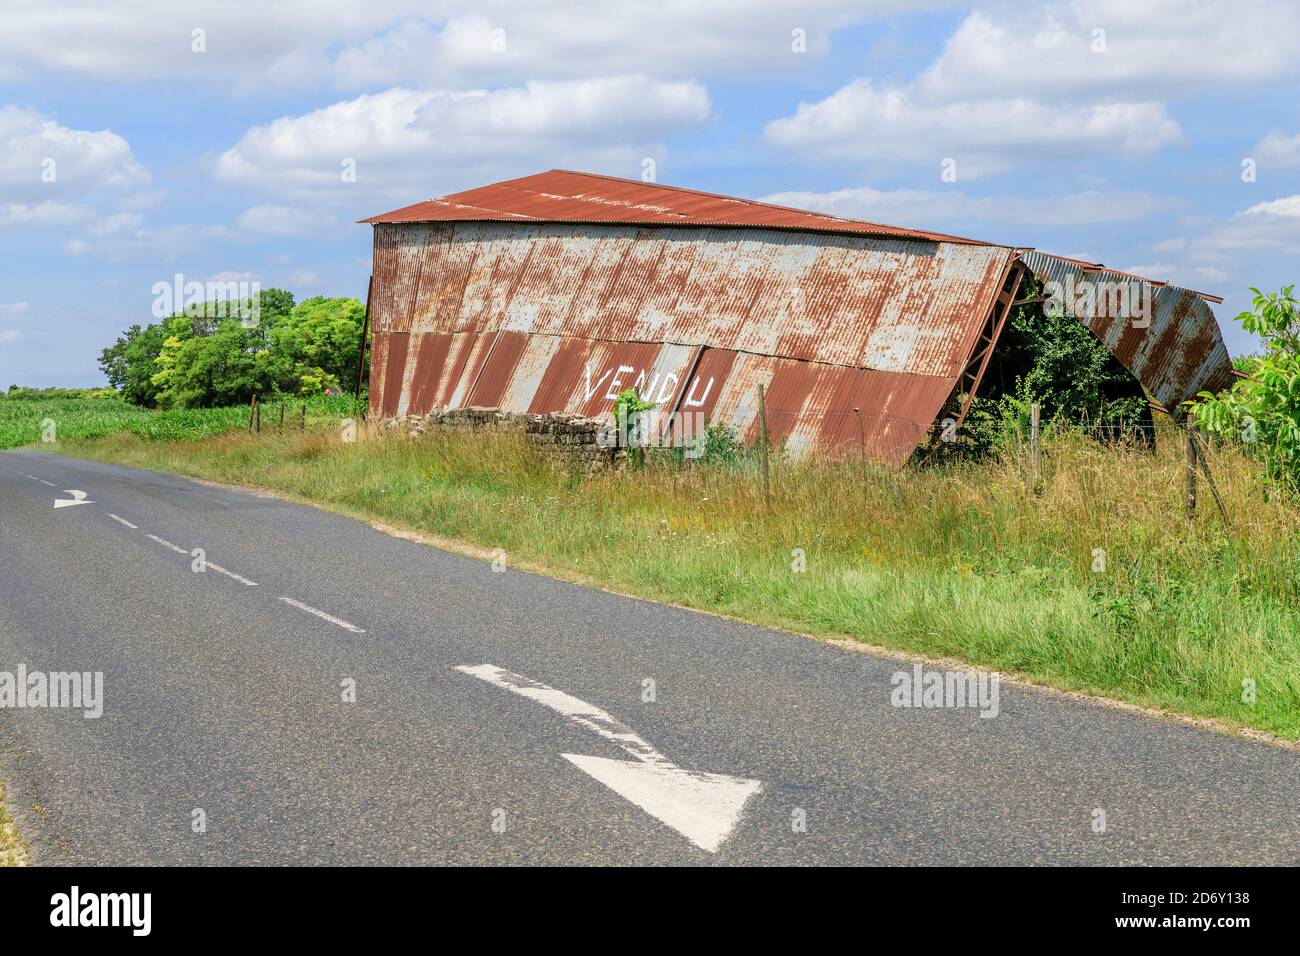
(560, 317)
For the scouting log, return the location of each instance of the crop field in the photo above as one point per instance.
(44, 421)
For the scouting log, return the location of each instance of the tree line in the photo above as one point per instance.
(192, 360)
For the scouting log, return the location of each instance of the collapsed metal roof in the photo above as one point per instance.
(554, 292)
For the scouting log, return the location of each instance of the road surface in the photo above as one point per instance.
(505, 718)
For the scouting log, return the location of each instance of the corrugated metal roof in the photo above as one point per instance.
(562, 195)
(1175, 352)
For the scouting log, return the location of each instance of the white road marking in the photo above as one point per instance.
(123, 521)
(44, 482)
(166, 544)
(78, 498)
(703, 807)
(231, 574)
(321, 614)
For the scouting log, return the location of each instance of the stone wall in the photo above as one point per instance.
(571, 438)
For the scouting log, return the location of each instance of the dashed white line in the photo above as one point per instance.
(322, 615)
(166, 544)
(231, 574)
(123, 521)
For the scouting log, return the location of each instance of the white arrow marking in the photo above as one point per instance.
(78, 498)
(703, 807)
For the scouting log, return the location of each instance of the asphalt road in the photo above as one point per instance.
(227, 697)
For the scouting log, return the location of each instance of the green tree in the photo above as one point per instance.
(1263, 410)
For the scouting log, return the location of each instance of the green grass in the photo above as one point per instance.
(27, 421)
(961, 561)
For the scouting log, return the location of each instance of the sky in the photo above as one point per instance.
(234, 140)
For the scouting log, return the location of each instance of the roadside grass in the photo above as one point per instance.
(13, 851)
(961, 561)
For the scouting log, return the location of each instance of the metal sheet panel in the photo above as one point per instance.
(893, 305)
(562, 195)
(1175, 350)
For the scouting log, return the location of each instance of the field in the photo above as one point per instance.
(1095, 583)
(29, 422)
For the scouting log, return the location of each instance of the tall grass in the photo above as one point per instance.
(1097, 583)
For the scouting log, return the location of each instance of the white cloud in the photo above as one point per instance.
(128, 239)
(10, 335)
(252, 46)
(1278, 149)
(408, 143)
(285, 221)
(918, 208)
(304, 279)
(13, 310)
(1286, 207)
(34, 148)
(47, 213)
(1155, 48)
(863, 123)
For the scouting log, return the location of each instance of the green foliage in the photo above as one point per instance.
(627, 416)
(721, 445)
(1050, 357)
(18, 393)
(1263, 410)
(201, 362)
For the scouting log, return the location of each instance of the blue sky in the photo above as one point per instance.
(209, 139)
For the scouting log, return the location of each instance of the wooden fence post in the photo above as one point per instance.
(1191, 471)
(257, 414)
(302, 422)
(762, 431)
(281, 414)
(1034, 411)
(252, 405)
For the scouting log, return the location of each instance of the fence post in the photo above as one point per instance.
(1191, 470)
(252, 405)
(281, 414)
(762, 431)
(257, 414)
(302, 422)
(1034, 411)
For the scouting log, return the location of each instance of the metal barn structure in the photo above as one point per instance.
(554, 292)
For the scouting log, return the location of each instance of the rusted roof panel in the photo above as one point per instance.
(1174, 347)
(562, 195)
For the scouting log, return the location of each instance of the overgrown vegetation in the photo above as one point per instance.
(196, 361)
(1047, 356)
(1262, 411)
(1098, 584)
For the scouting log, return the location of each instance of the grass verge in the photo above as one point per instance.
(1096, 584)
(13, 851)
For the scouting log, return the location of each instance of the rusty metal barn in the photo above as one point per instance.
(554, 292)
